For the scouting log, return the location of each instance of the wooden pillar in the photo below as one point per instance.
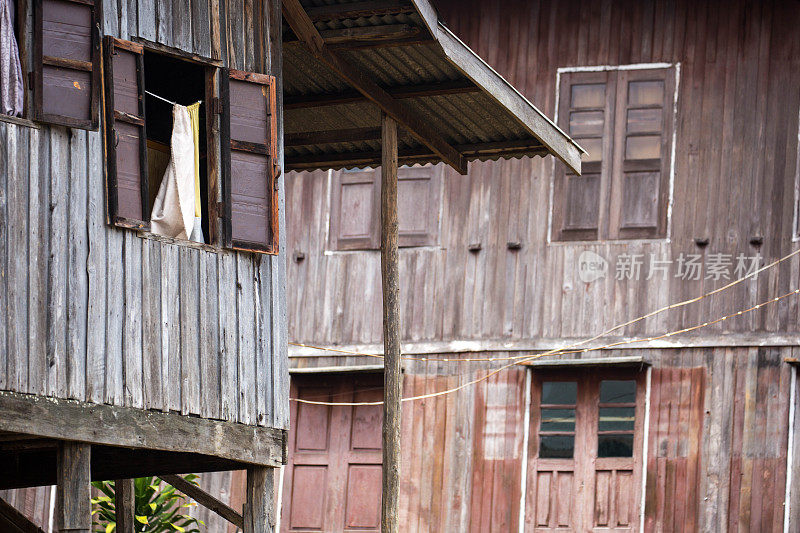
(73, 505)
(391, 327)
(259, 507)
(125, 504)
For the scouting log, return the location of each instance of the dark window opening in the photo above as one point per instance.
(183, 82)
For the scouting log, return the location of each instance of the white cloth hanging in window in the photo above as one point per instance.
(11, 89)
(173, 210)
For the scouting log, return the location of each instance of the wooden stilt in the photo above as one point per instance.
(391, 327)
(125, 502)
(259, 508)
(73, 505)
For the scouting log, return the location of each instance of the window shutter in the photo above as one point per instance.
(126, 138)
(355, 208)
(67, 63)
(642, 145)
(418, 192)
(249, 161)
(586, 103)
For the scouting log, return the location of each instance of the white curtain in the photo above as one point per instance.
(11, 89)
(173, 210)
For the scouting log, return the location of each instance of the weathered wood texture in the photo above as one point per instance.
(734, 166)
(33, 502)
(73, 506)
(717, 445)
(125, 505)
(390, 281)
(98, 314)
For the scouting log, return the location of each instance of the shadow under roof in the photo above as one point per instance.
(402, 47)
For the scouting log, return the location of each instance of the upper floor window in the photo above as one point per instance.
(624, 119)
(355, 208)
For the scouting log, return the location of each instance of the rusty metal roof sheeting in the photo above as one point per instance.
(401, 46)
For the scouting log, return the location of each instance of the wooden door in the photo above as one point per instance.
(585, 447)
(333, 475)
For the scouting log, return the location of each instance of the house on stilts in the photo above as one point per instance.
(125, 352)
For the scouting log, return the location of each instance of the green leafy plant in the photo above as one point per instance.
(158, 507)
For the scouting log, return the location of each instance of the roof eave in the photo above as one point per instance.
(494, 85)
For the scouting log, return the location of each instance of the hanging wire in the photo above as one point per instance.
(571, 347)
(555, 353)
(154, 95)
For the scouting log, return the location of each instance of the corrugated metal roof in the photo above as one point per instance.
(411, 55)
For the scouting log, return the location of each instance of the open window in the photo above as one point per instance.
(141, 85)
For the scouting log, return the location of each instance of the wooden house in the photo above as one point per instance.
(124, 353)
(689, 112)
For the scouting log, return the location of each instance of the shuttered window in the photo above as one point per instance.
(66, 63)
(137, 145)
(126, 137)
(355, 208)
(249, 161)
(624, 120)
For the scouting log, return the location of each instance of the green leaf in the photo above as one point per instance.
(153, 506)
(178, 528)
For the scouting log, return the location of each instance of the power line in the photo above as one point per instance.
(556, 352)
(570, 348)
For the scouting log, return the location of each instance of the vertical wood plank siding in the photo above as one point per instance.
(736, 148)
(98, 314)
(718, 418)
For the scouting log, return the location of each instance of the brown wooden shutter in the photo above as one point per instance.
(586, 103)
(642, 145)
(355, 206)
(249, 161)
(126, 138)
(66, 62)
(418, 193)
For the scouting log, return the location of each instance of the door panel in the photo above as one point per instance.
(585, 442)
(333, 474)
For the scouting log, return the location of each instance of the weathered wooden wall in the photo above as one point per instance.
(719, 407)
(734, 180)
(99, 314)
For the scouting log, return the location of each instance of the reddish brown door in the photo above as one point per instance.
(333, 477)
(585, 447)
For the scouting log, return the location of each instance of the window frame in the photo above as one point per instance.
(211, 68)
(611, 178)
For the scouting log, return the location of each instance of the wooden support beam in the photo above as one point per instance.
(137, 428)
(384, 32)
(367, 8)
(205, 499)
(125, 505)
(12, 521)
(73, 499)
(304, 28)
(392, 377)
(259, 507)
(407, 156)
(398, 93)
(332, 136)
